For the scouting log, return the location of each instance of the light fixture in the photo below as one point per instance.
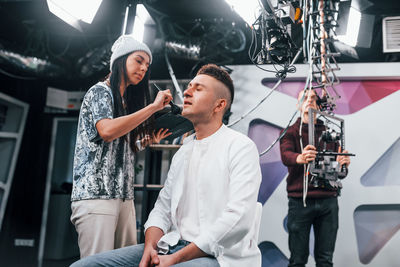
(248, 10)
(353, 28)
(73, 11)
(391, 34)
(142, 18)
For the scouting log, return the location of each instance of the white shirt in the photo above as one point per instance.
(187, 212)
(228, 180)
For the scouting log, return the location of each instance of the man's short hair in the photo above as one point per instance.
(219, 74)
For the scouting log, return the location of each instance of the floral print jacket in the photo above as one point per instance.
(102, 170)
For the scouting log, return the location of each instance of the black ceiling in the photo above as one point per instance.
(29, 29)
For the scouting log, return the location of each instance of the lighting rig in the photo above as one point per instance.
(271, 42)
(320, 22)
(319, 28)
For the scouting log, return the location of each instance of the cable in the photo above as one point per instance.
(280, 136)
(16, 76)
(257, 105)
(272, 90)
(306, 51)
(265, 51)
(173, 77)
(287, 126)
(283, 72)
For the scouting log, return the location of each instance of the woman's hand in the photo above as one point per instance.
(155, 139)
(162, 99)
(161, 134)
(145, 141)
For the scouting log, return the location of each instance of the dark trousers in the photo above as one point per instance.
(322, 214)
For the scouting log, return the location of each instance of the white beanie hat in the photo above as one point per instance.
(126, 44)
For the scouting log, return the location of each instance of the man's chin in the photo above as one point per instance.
(185, 114)
(188, 115)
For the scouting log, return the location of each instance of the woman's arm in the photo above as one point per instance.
(111, 129)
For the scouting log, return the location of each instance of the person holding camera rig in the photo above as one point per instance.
(314, 205)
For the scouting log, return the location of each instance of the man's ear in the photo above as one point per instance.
(299, 97)
(221, 104)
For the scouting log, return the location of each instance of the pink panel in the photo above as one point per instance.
(355, 95)
(379, 89)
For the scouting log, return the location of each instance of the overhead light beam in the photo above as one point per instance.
(249, 10)
(73, 11)
(353, 28)
(142, 18)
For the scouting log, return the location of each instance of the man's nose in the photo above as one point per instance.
(187, 93)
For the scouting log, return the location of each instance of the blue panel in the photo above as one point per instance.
(273, 171)
(386, 170)
(272, 174)
(375, 225)
(272, 256)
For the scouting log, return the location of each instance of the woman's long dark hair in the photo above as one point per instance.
(136, 97)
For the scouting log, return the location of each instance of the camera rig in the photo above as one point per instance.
(325, 169)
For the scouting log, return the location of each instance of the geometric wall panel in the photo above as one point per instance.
(355, 95)
(363, 102)
(272, 256)
(375, 225)
(386, 170)
(273, 171)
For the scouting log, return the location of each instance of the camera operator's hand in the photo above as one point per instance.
(343, 159)
(308, 155)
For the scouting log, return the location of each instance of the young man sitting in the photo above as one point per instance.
(206, 213)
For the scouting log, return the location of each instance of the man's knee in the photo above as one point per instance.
(127, 256)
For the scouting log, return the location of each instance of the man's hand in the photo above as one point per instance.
(308, 155)
(149, 258)
(150, 254)
(343, 159)
(166, 260)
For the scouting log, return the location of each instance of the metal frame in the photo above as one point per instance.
(311, 138)
(17, 136)
(311, 125)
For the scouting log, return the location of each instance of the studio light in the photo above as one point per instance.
(248, 10)
(353, 28)
(141, 19)
(73, 11)
(391, 34)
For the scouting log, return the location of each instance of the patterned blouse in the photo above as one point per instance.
(102, 170)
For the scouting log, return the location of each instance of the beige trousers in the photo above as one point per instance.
(104, 224)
